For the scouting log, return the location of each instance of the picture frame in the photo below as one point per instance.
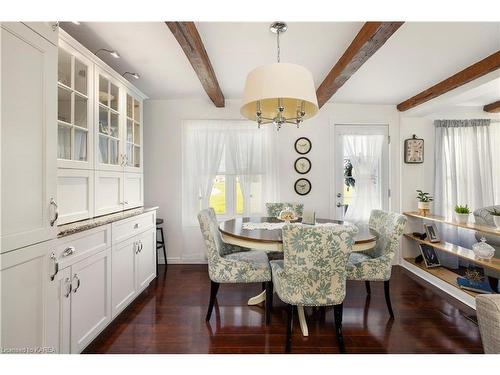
(430, 256)
(414, 150)
(303, 145)
(302, 165)
(302, 186)
(432, 233)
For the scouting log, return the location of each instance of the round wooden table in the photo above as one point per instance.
(232, 232)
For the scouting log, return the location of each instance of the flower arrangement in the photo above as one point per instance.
(424, 197)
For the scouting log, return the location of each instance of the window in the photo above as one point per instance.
(233, 169)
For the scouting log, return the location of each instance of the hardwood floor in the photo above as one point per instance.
(169, 317)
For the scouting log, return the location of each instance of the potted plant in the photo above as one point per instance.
(424, 202)
(496, 217)
(462, 214)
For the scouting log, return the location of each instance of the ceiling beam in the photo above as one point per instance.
(479, 69)
(190, 41)
(369, 39)
(492, 107)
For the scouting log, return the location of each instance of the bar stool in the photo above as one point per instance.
(160, 244)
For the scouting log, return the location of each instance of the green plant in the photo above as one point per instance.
(462, 209)
(495, 212)
(424, 197)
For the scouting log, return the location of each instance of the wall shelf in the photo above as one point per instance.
(441, 219)
(442, 273)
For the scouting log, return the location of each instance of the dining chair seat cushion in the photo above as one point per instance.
(313, 272)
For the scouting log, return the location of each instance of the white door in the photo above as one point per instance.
(59, 312)
(132, 190)
(24, 275)
(28, 137)
(123, 274)
(108, 192)
(90, 299)
(146, 259)
(375, 193)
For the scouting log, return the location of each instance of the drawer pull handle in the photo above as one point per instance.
(56, 266)
(68, 288)
(68, 251)
(56, 212)
(77, 282)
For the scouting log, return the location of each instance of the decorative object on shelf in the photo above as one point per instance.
(462, 214)
(424, 202)
(431, 231)
(422, 236)
(483, 250)
(287, 215)
(414, 150)
(279, 93)
(475, 282)
(430, 256)
(303, 145)
(302, 165)
(309, 218)
(496, 217)
(302, 186)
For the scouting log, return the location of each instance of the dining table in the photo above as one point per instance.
(264, 233)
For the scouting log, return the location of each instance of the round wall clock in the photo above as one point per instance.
(303, 145)
(302, 186)
(414, 150)
(302, 165)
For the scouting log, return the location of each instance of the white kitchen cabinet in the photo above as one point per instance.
(58, 316)
(90, 299)
(133, 194)
(28, 137)
(75, 192)
(123, 274)
(146, 259)
(133, 133)
(24, 276)
(109, 195)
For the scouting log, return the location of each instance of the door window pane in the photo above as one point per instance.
(114, 97)
(64, 68)
(137, 156)
(218, 196)
(103, 90)
(130, 128)
(130, 103)
(80, 111)
(80, 145)
(113, 152)
(103, 121)
(137, 134)
(63, 142)
(64, 105)
(239, 198)
(137, 111)
(80, 77)
(103, 149)
(114, 131)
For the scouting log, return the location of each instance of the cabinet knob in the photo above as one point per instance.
(68, 251)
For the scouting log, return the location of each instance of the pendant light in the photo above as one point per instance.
(279, 93)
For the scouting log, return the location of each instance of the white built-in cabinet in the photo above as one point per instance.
(28, 136)
(99, 129)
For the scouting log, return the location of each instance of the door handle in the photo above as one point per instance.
(56, 266)
(68, 288)
(340, 204)
(75, 276)
(56, 212)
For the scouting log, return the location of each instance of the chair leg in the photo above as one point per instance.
(388, 298)
(368, 288)
(214, 287)
(289, 329)
(338, 312)
(269, 301)
(163, 246)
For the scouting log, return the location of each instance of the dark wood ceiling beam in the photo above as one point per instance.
(369, 39)
(479, 69)
(190, 41)
(492, 107)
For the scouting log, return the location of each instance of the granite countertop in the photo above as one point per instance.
(80, 226)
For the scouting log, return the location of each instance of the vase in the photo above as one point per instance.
(496, 220)
(424, 208)
(461, 218)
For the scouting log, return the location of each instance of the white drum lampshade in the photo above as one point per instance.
(291, 83)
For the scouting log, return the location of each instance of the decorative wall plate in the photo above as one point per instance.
(302, 165)
(414, 150)
(302, 186)
(303, 145)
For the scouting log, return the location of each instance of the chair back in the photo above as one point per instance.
(390, 227)
(211, 235)
(274, 209)
(315, 260)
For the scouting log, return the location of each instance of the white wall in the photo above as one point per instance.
(163, 160)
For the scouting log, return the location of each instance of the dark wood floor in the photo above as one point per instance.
(169, 318)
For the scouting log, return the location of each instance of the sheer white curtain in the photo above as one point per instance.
(202, 152)
(465, 169)
(365, 154)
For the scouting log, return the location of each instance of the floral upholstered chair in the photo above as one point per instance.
(376, 264)
(313, 272)
(229, 263)
(274, 209)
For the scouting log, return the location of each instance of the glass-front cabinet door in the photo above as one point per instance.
(74, 109)
(109, 130)
(133, 144)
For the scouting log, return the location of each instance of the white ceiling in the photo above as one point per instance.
(417, 56)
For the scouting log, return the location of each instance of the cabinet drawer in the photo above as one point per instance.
(130, 227)
(78, 246)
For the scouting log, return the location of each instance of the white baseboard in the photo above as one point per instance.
(178, 260)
